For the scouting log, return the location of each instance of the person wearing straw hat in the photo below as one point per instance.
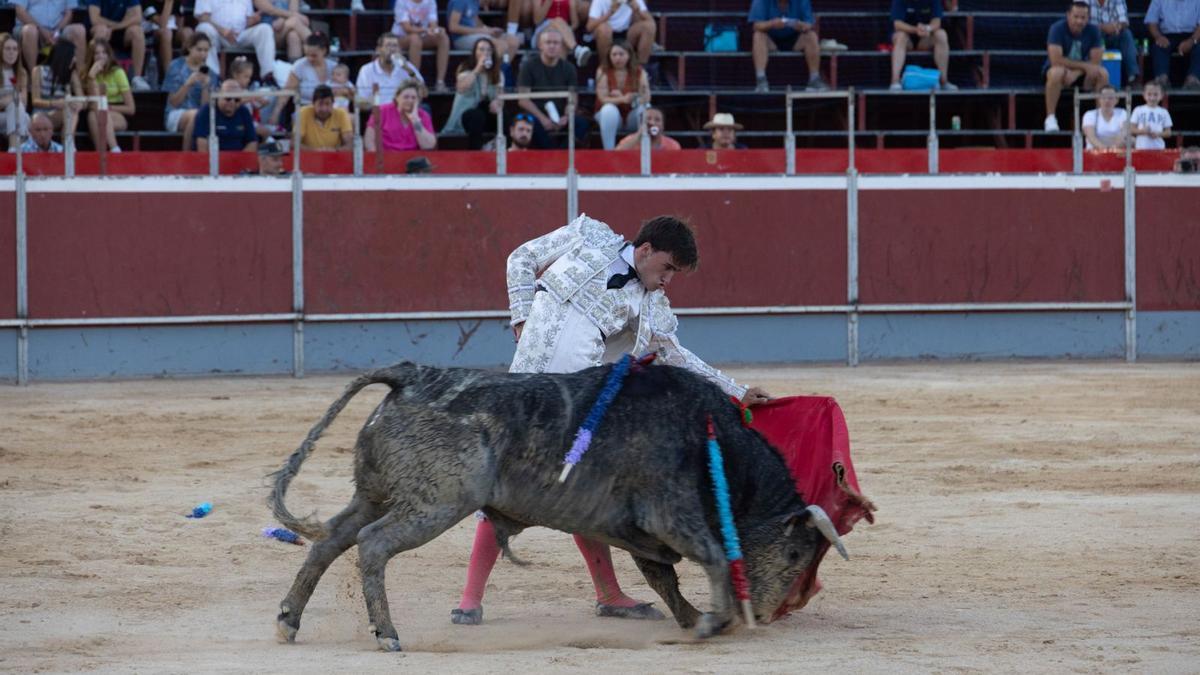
(582, 296)
(724, 132)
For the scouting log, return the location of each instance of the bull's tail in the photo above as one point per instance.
(310, 526)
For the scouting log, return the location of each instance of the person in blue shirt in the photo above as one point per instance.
(785, 24)
(1074, 49)
(1174, 29)
(919, 20)
(235, 124)
(120, 22)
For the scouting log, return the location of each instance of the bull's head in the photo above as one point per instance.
(777, 551)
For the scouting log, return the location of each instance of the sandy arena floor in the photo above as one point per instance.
(1035, 517)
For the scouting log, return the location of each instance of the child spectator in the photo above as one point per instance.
(403, 125)
(188, 85)
(417, 25)
(120, 23)
(1106, 127)
(622, 88)
(1150, 122)
(103, 76)
(52, 83)
(477, 84)
(242, 72)
(343, 91)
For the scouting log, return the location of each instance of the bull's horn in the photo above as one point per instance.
(821, 521)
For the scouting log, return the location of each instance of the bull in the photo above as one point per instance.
(447, 442)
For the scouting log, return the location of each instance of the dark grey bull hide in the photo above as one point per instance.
(445, 442)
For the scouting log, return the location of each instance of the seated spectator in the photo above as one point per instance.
(41, 22)
(343, 91)
(103, 76)
(1074, 49)
(316, 68)
(477, 84)
(261, 109)
(465, 30)
(234, 125)
(1150, 123)
(270, 160)
(520, 132)
(922, 20)
(518, 13)
(563, 16)
(1112, 18)
(1189, 160)
(1106, 127)
(629, 20)
(785, 24)
(324, 126)
(289, 25)
(548, 71)
(120, 23)
(52, 83)
(235, 23)
(188, 85)
(654, 126)
(402, 124)
(14, 87)
(417, 25)
(41, 136)
(622, 88)
(724, 132)
(169, 28)
(379, 79)
(1174, 27)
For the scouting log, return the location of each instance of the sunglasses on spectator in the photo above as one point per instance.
(523, 117)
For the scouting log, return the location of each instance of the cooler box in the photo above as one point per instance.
(1112, 63)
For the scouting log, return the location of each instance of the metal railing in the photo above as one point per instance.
(69, 122)
(502, 141)
(789, 143)
(1077, 139)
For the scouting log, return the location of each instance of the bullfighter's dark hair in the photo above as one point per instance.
(673, 235)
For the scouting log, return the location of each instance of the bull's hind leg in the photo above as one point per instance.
(401, 529)
(665, 582)
(343, 532)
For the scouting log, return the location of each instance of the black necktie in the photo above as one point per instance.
(619, 280)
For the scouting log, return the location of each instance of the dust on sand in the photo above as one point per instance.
(1033, 517)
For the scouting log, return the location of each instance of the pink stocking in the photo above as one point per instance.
(604, 577)
(484, 553)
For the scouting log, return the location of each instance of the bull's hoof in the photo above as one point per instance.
(284, 630)
(389, 644)
(467, 617)
(644, 611)
(710, 625)
(687, 618)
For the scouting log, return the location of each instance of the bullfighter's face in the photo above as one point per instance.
(654, 268)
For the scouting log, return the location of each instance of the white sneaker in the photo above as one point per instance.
(1051, 123)
(582, 55)
(896, 86)
(949, 86)
(357, 6)
(831, 45)
(140, 84)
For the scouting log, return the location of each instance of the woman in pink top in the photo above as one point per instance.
(401, 124)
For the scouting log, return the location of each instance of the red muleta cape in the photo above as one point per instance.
(810, 432)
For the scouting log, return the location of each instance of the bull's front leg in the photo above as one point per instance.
(723, 609)
(662, 578)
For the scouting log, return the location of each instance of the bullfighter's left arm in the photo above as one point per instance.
(665, 341)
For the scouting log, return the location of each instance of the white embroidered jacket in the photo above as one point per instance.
(571, 263)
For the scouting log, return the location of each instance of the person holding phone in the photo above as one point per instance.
(188, 84)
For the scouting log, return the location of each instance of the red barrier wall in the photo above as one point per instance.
(159, 254)
(899, 160)
(8, 258)
(770, 247)
(417, 250)
(990, 246)
(1168, 248)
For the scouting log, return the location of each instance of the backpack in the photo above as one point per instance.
(916, 77)
(721, 37)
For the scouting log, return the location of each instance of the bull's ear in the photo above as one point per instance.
(793, 519)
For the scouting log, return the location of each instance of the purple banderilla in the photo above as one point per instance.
(583, 437)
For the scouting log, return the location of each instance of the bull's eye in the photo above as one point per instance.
(793, 556)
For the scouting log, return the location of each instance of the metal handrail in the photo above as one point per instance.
(502, 143)
(69, 140)
(789, 143)
(214, 164)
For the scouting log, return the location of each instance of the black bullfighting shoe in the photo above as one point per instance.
(644, 610)
(467, 617)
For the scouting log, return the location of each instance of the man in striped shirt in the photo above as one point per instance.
(1112, 17)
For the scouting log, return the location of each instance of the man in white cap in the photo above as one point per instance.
(724, 132)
